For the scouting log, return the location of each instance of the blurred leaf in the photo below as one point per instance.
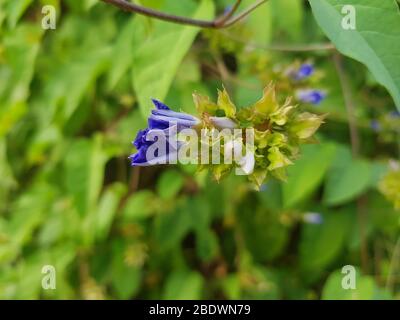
(347, 179)
(271, 195)
(169, 184)
(84, 171)
(171, 227)
(231, 287)
(333, 290)
(107, 209)
(374, 38)
(122, 54)
(125, 280)
(161, 51)
(206, 244)
(321, 243)
(139, 206)
(260, 23)
(382, 214)
(8, 182)
(183, 285)
(262, 227)
(15, 10)
(289, 27)
(307, 173)
(21, 47)
(262, 284)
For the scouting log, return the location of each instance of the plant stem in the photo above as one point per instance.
(355, 146)
(224, 21)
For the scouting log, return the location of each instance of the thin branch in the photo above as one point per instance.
(229, 14)
(244, 14)
(224, 21)
(349, 103)
(355, 145)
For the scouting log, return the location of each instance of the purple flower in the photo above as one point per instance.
(306, 70)
(375, 125)
(313, 218)
(163, 125)
(395, 114)
(312, 96)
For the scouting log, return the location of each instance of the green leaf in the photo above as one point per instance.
(347, 179)
(183, 285)
(122, 54)
(139, 206)
(266, 284)
(20, 49)
(206, 244)
(321, 243)
(291, 25)
(263, 227)
(15, 10)
(159, 54)
(333, 289)
(84, 171)
(125, 280)
(307, 173)
(107, 209)
(169, 184)
(376, 40)
(260, 23)
(171, 227)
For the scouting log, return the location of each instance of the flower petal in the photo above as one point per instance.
(311, 96)
(223, 122)
(159, 105)
(174, 114)
(163, 122)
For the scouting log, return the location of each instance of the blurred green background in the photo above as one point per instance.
(71, 102)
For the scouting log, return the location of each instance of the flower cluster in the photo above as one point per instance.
(387, 126)
(390, 184)
(278, 130)
(301, 80)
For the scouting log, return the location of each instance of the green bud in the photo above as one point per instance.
(305, 125)
(268, 104)
(225, 103)
(204, 104)
(277, 159)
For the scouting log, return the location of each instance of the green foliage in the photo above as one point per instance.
(347, 179)
(72, 100)
(306, 175)
(162, 46)
(374, 42)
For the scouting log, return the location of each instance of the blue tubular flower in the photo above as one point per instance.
(313, 218)
(312, 96)
(166, 122)
(395, 114)
(375, 125)
(306, 70)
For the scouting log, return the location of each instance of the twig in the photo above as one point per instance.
(348, 99)
(355, 145)
(224, 21)
(243, 14)
(229, 14)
